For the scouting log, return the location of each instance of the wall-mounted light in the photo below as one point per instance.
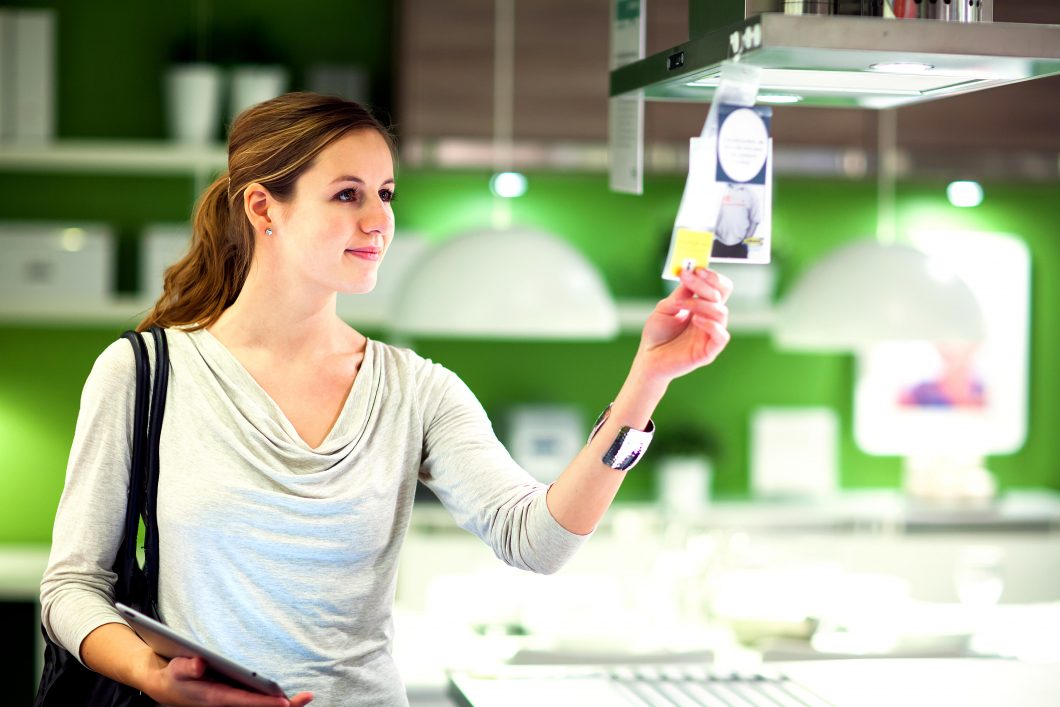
(964, 194)
(508, 185)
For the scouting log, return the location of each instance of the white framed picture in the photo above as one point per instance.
(936, 399)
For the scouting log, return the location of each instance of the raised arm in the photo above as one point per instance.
(685, 331)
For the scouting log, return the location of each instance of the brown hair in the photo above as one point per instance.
(271, 143)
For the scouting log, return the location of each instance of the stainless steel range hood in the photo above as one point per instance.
(825, 60)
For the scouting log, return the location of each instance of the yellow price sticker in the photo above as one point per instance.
(691, 250)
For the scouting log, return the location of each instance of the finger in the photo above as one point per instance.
(719, 282)
(674, 306)
(187, 668)
(719, 335)
(702, 284)
(672, 303)
(213, 693)
(302, 698)
(723, 283)
(189, 672)
(717, 311)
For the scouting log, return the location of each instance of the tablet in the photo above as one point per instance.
(170, 644)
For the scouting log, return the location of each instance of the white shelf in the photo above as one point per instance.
(742, 318)
(21, 568)
(119, 312)
(128, 311)
(113, 157)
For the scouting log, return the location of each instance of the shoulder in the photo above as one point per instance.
(429, 382)
(112, 376)
(406, 363)
(115, 362)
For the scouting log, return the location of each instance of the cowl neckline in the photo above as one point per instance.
(260, 410)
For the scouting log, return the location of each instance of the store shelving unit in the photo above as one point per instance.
(200, 162)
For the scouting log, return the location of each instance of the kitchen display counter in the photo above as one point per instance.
(836, 683)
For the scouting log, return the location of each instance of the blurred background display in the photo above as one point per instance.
(796, 504)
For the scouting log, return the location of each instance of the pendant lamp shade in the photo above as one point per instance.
(506, 284)
(869, 292)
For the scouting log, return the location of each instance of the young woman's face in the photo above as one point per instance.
(340, 222)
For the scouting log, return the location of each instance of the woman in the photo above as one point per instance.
(292, 444)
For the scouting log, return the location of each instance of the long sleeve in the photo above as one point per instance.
(483, 488)
(77, 588)
(244, 506)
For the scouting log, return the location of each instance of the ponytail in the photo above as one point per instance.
(207, 280)
(272, 144)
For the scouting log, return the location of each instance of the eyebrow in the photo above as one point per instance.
(358, 180)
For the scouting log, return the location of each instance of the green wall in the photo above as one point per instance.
(42, 368)
(110, 63)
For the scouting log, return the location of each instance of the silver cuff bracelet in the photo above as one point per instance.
(629, 444)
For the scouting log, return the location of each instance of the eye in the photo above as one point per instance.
(387, 195)
(347, 195)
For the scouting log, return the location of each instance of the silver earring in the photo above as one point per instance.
(268, 231)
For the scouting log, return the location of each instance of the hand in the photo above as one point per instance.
(180, 683)
(687, 329)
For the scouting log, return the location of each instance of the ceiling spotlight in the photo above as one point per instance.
(508, 185)
(964, 194)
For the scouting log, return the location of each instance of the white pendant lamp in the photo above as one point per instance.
(506, 284)
(877, 290)
(868, 292)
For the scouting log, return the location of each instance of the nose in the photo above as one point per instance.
(377, 217)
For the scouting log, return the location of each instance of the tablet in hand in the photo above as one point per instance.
(170, 644)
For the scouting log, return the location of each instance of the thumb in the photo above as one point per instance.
(188, 668)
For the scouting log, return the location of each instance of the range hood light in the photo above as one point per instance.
(852, 83)
(840, 61)
(902, 67)
(778, 98)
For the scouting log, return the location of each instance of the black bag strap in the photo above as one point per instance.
(64, 681)
(158, 409)
(148, 414)
(125, 564)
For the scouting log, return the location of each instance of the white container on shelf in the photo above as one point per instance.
(55, 262)
(193, 102)
(27, 74)
(253, 83)
(162, 245)
(794, 452)
(348, 81)
(683, 483)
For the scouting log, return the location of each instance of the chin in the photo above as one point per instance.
(358, 288)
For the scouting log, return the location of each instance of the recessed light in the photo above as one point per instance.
(508, 184)
(778, 98)
(964, 194)
(902, 67)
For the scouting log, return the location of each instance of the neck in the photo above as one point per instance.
(269, 313)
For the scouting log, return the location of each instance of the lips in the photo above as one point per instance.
(366, 253)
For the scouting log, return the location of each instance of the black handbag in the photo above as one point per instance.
(65, 682)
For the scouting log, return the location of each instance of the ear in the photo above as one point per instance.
(256, 204)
